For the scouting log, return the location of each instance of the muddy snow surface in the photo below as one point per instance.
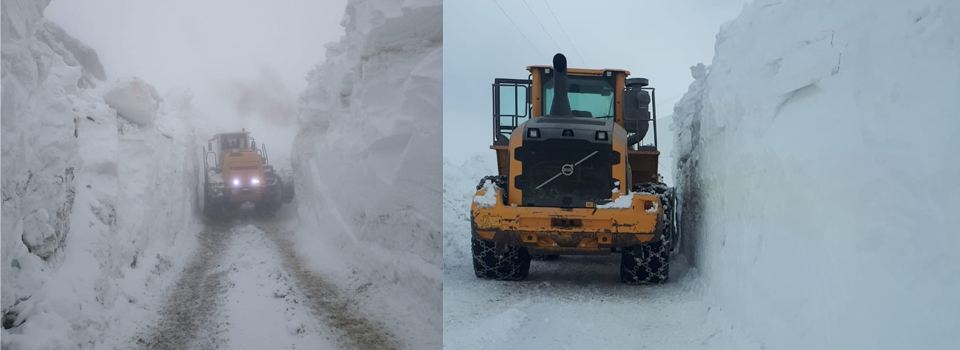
(246, 287)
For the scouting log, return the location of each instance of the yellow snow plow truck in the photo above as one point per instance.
(236, 171)
(580, 179)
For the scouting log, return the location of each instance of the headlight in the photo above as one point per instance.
(255, 181)
(236, 182)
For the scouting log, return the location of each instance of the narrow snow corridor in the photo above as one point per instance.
(247, 288)
(577, 302)
(574, 302)
(188, 318)
(326, 300)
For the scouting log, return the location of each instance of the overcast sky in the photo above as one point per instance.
(220, 49)
(658, 40)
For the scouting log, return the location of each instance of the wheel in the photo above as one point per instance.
(544, 257)
(272, 198)
(668, 198)
(513, 264)
(287, 191)
(645, 264)
(220, 211)
(264, 209)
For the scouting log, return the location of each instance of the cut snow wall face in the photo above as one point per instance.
(73, 52)
(368, 153)
(39, 146)
(135, 100)
(815, 164)
(85, 193)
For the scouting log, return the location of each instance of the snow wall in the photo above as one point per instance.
(92, 204)
(817, 162)
(367, 160)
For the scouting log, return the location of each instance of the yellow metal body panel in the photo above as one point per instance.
(572, 230)
(516, 167)
(583, 229)
(243, 165)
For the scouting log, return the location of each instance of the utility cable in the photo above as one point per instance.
(542, 27)
(519, 30)
(565, 34)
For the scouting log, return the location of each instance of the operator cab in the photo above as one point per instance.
(234, 141)
(593, 94)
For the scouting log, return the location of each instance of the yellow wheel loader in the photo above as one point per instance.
(579, 179)
(235, 171)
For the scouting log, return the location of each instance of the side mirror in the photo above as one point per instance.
(636, 111)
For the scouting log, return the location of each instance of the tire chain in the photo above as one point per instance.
(666, 200)
(512, 265)
(650, 263)
(645, 264)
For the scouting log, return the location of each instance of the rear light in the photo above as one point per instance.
(647, 205)
(601, 135)
(533, 133)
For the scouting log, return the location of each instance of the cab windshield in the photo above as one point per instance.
(231, 141)
(590, 97)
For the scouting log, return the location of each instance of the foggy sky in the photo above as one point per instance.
(245, 61)
(658, 40)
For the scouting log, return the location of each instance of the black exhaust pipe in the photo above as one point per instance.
(561, 102)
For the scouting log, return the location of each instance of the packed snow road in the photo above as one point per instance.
(574, 302)
(577, 302)
(246, 287)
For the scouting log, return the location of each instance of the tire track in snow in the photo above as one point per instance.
(324, 298)
(187, 318)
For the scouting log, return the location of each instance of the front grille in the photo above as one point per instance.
(589, 181)
(245, 167)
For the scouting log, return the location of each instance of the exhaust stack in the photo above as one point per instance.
(561, 102)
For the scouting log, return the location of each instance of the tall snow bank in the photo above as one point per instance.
(134, 100)
(367, 159)
(459, 184)
(73, 52)
(817, 164)
(94, 208)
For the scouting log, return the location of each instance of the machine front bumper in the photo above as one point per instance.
(549, 230)
(236, 194)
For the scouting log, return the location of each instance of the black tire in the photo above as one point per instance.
(668, 199)
(286, 190)
(645, 264)
(512, 265)
(266, 210)
(545, 257)
(271, 199)
(221, 211)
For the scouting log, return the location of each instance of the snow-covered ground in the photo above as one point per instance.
(367, 162)
(815, 161)
(575, 302)
(102, 242)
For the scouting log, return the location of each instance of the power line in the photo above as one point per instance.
(518, 29)
(675, 97)
(565, 33)
(542, 27)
